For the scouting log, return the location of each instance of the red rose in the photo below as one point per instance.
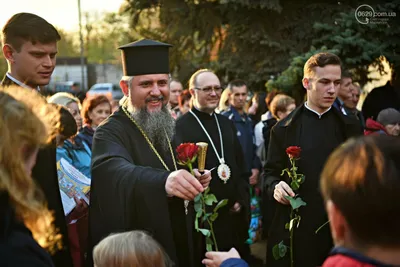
(187, 152)
(293, 152)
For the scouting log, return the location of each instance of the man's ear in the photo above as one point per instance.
(306, 83)
(124, 87)
(8, 53)
(338, 223)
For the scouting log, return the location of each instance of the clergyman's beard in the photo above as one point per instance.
(155, 125)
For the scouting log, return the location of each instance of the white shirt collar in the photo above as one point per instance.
(20, 83)
(319, 114)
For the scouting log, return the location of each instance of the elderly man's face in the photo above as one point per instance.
(150, 91)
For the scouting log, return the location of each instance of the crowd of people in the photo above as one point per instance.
(141, 210)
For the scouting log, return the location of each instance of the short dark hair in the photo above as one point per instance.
(23, 27)
(68, 127)
(320, 60)
(346, 74)
(91, 103)
(236, 83)
(362, 179)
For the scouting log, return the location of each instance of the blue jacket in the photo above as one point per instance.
(234, 262)
(245, 134)
(78, 155)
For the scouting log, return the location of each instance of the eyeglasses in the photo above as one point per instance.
(208, 89)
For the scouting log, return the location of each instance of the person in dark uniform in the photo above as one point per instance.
(135, 181)
(30, 48)
(202, 124)
(317, 128)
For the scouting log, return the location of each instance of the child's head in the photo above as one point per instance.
(361, 185)
(129, 249)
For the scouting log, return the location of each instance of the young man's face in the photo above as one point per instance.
(322, 87)
(238, 97)
(34, 63)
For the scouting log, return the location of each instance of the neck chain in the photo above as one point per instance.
(223, 170)
(221, 159)
(150, 143)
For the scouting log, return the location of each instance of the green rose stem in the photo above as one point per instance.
(203, 204)
(209, 223)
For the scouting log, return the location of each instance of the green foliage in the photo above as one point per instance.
(103, 34)
(279, 251)
(295, 202)
(237, 38)
(358, 45)
(201, 202)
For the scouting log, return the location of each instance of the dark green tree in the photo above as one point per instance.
(358, 45)
(237, 38)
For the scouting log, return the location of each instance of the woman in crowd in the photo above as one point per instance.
(74, 149)
(185, 102)
(26, 224)
(71, 103)
(94, 110)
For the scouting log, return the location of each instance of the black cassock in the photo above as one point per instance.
(230, 228)
(317, 137)
(128, 189)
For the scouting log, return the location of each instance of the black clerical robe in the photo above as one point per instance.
(317, 136)
(230, 228)
(128, 189)
(45, 175)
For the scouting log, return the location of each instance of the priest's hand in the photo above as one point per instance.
(281, 190)
(254, 176)
(204, 178)
(236, 207)
(215, 259)
(183, 185)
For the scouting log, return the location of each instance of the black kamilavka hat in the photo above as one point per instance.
(145, 57)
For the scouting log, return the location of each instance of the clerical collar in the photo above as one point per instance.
(316, 112)
(202, 112)
(20, 83)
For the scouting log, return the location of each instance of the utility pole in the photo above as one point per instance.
(81, 44)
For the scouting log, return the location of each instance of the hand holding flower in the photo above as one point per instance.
(281, 191)
(204, 178)
(182, 184)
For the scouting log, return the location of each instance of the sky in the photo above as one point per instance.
(61, 13)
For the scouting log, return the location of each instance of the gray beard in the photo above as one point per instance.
(156, 125)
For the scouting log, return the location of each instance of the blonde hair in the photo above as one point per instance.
(129, 249)
(26, 123)
(64, 99)
(224, 100)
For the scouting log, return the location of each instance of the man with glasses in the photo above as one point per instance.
(224, 153)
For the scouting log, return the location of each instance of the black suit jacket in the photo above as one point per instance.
(45, 175)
